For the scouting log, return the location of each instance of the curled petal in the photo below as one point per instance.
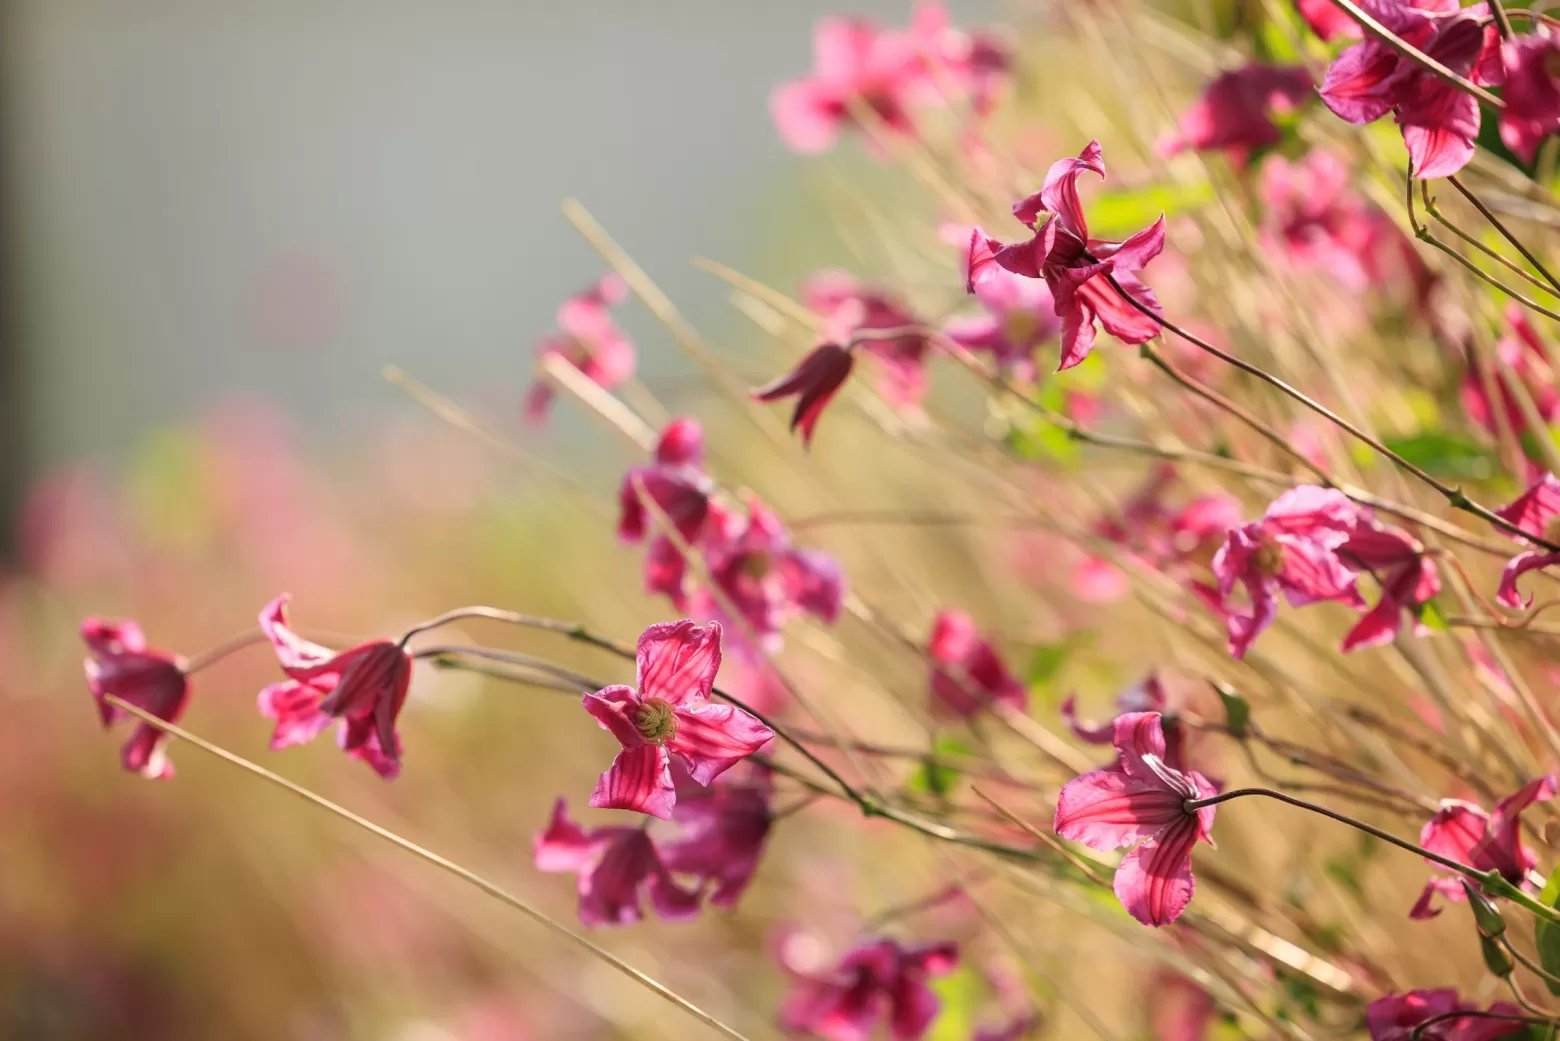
(712, 738)
(639, 779)
(678, 661)
(292, 650)
(1504, 827)
(1135, 253)
(1355, 86)
(1059, 194)
(1534, 508)
(1137, 737)
(1508, 595)
(814, 381)
(1154, 882)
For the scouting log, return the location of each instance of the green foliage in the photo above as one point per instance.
(1237, 710)
(1117, 214)
(1048, 659)
(933, 775)
(1447, 455)
(1546, 935)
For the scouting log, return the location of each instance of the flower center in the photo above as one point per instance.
(656, 721)
(1269, 558)
(1020, 326)
(756, 565)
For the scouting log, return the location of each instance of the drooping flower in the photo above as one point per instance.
(1140, 801)
(1293, 549)
(123, 666)
(1396, 1017)
(1327, 20)
(1524, 352)
(676, 482)
(1236, 111)
(854, 63)
(668, 713)
(1018, 316)
(614, 868)
(1534, 512)
(363, 686)
(1408, 579)
(814, 382)
(1532, 93)
(724, 828)
(1077, 269)
(876, 982)
(1484, 841)
(1439, 120)
(766, 579)
(880, 324)
(967, 673)
(588, 339)
(1146, 695)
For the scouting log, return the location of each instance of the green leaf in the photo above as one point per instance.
(1447, 455)
(1546, 935)
(961, 992)
(1119, 214)
(934, 776)
(1046, 663)
(1431, 618)
(1237, 710)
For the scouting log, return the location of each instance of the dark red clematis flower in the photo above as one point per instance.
(1396, 1017)
(364, 687)
(967, 673)
(670, 713)
(1293, 549)
(1535, 511)
(1484, 841)
(1235, 112)
(588, 339)
(878, 981)
(679, 487)
(1139, 798)
(855, 312)
(1407, 577)
(724, 829)
(814, 382)
(1077, 268)
(123, 666)
(614, 867)
(1532, 93)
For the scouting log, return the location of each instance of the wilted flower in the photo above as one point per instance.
(123, 666)
(1532, 91)
(814, 382)
(614, 867)
(670, 713)
(588, 339)
(724, 828)
(967, 672)
(679, 487)
(363, 686)
(1484, 841)
(1408, 579)
(1524, 352)
(853, 311)
(1293, 549)
(1396, 1017)
(878, 981)
(1235, 112)
(1141, 798)
(1534, 512)
(1078, 269)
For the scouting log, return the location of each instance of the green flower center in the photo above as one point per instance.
(656, 721)
(1269, 558)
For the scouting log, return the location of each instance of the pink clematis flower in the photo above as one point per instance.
(852, 311)
(1407, 577)
(766, 579)
(364, 687)
(588, 339)
(1019, 315)
(1327, 20)
(1467, 834)
(1314, 220)
(1077, 268)
(1396, 1017)
(854, 63)
(814, 382)
(877, 981)
(1439, 121)
(1525, 353)
(1235, 112)
(967, 673)
(1179, 1010)
(1535, 512)
(676, 482)
(1146, 695)
(1141, 798)
(123, 666)
(1293, 549)
(670, 713)
(614, 867)
(963, 64)
(1532, 93)
(724, 828)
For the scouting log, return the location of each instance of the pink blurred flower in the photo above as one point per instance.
(1146, 695)
(588, 339)
(613, 868)
(1327, 20)
(1235, 112)
(123, 666)
(967, 674)
(1408, 579)
(1180, 1009)
(1019, 315)
(851, 309)
(724, 828)
(1524, 351)
(669, 713)
(1139, 798)
(1483, 841)
(676, 482)
(1075, 267)
(363, 686)
(1535, 512)
(1396, 1017)
(1293, 549)
(854, 62)
(875, 982)
(814, 382)
(973, 65)
(1532, 93)
(1314, 220)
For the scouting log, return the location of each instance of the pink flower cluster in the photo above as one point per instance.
(588, 339)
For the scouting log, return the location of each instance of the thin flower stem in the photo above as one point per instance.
(1418, 1033)
(1506, 262)
(1505, 232)
(465, 874)
(1413, 54)
(448, 657)
(569, 629)
(1528, 963)
(227, 647)
(1502, 23)
(1491, 881)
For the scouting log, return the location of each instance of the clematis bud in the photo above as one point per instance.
(1485, 914)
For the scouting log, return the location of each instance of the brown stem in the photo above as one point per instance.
(222, 650)
(1505, 232)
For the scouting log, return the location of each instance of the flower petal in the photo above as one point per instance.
(1154, 882)
(677, 661)
(564, 846)
(639, 779)
(1507, 595)
(1107, 809)
(712, 738)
